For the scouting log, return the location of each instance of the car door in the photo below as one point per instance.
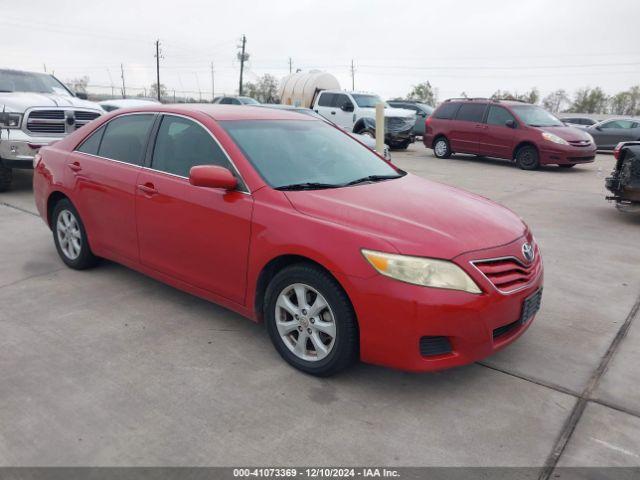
(194, 234)
(342, 113)
(466, 128)
(325, 105)
(496, 139)
(609, 134)
(106, 168)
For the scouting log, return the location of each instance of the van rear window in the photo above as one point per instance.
(447, 110)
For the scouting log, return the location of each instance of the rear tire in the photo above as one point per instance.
(70, 237)
(303, 303)
(441, 148)
(6, 177)
(527, 158)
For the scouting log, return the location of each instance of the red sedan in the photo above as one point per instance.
(288, 220)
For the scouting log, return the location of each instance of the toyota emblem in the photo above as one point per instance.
(527, 252)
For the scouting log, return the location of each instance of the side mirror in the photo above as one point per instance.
(598, 127)
(511, 123)
(82, 95)
(347, 107)
(211, 176)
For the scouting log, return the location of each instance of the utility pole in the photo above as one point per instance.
(124, 90)
(158, 53)
(213, 85)
(290, 66)
(242, 57)
(353, 76)
(45, 67)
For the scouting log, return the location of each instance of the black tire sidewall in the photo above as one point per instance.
(528, 166)
(86, 259)
(6, 177)
(344, 350)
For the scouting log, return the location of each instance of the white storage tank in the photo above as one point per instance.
(300, 89)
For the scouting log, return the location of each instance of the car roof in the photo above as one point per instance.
(225, 112)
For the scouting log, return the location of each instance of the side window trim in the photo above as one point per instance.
(242, 185)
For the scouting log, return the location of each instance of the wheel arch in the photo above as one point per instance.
(438, 137)
(524, 143)
(363, 124)
(52, 201)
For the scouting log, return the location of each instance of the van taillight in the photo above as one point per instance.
(616, 151)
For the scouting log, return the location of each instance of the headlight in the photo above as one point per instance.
(427, 272)
(589, 137)
(10, 120)
(554, 138)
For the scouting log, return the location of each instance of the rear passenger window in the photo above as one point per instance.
(92, 143)
(182, 144)
(446, 111)
(125, 138)
(326, 99)
(498, 116)
(471, 112)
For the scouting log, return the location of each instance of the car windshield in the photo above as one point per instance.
(248, 101)
(426, 108)
(536, 116)
(306, 154)
(368, 101)
(15, 81)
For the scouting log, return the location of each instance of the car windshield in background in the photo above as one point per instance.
(310, 154)
(368, 101)
(14, 81)
(248, 101)
(536, 116)
(427, 108)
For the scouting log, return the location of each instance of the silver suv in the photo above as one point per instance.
(36, 109)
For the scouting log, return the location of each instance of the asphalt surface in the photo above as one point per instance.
(108, 367)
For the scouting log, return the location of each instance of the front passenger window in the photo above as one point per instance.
(182, 144)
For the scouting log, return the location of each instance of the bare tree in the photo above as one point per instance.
(265, 90)
(153, 90)
(78, 84)
(556, 101)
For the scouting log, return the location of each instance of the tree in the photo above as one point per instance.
(532, 96)
(265, 90)
(153, 90)
(589, 100)
(556, 101)
(626, 103)
(424, 93)
(78, 84)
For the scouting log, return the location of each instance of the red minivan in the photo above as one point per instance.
(289, 221)
(512, 130)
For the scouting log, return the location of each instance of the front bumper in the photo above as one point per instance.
(556, 154)
(17, 149)
(395, 316)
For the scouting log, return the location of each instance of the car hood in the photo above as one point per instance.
(570, 134)
(390, 112)
(415, 215)
(21, 101)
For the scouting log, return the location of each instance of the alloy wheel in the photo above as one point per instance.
(69, 234)
(441, 148)
(305, 322)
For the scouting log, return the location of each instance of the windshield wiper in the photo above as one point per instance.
(372, 178)
(308, 186)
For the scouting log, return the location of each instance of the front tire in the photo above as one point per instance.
(441, 148)
(310, 320)
(70, 237)
(527, 158)
(6, 177)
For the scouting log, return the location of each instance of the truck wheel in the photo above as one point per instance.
(311, 321)
(70, 237)
(402, 145)
(368, 132)
(441, 148)
(527, 158)
(6, 176)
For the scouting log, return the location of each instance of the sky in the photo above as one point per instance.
(471, 46)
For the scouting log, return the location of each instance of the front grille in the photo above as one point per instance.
(580, 143)
(529, 308)
(581, 159)
(84, 117)
(46, 121)
(47, 114)
(430, 346)
(509, 274)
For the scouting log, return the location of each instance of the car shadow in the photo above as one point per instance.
(499, 162)
(22, 181)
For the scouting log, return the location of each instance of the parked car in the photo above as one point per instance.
(578, 121)
(285, 219)
(116, 103)
(422, 112)
(512, 130)
(36, 109)
(356, 112)
(608, 133)
(624, 181)
(235, 100)
(366, 139)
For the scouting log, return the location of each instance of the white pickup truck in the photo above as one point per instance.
(36, 109)
(356, 112)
